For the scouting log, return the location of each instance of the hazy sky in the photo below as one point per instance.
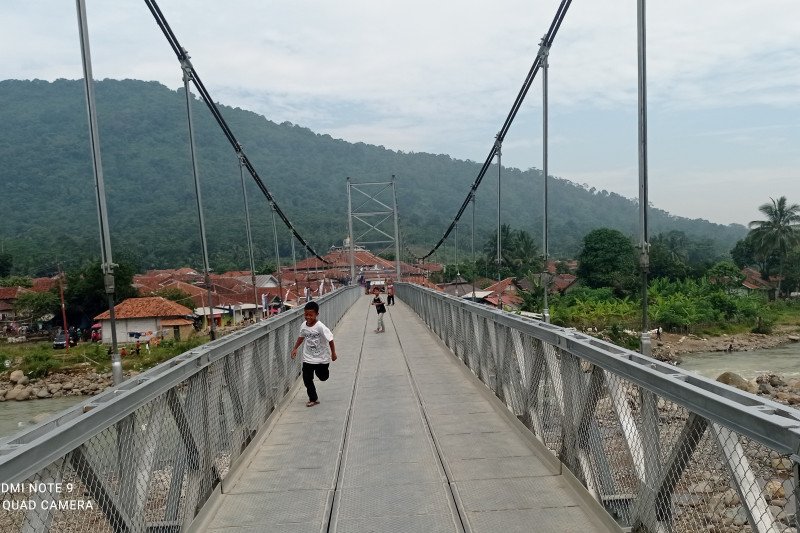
(724, 80)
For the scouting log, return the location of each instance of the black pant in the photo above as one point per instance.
(308, 378)
(390, 299)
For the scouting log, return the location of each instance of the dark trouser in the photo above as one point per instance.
(308, 378)
(390, 299)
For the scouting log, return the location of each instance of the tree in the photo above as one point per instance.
(726, 274)
(6, 261)
(267, 267)
(608, 259)
(85, 293)
(778, 233)
(35, 305)
(520, 253)
(176, 295)
(16, 281)
(745, 254)
(664, 262)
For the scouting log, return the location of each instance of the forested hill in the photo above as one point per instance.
(48, 208)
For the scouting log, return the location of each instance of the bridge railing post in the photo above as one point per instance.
(660, 448)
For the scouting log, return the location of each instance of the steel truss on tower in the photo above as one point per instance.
(372, 218)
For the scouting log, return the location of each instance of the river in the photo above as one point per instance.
(784, 361)
(14, 416)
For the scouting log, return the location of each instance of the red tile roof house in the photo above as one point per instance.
(507, 289)
(149, 317)
(9, 295)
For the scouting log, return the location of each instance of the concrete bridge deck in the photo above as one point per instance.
(405, 439)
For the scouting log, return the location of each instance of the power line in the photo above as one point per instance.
(537, 64)
(183, 57)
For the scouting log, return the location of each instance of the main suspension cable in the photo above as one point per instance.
(537, 63)
(183, 57)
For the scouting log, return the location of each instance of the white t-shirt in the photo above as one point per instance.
(316, 349)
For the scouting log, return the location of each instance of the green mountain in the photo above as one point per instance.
(47, 198)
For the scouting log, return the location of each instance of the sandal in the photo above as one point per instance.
(312, 404)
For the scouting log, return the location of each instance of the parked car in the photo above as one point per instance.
(60, 342)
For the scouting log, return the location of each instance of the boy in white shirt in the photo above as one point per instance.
(318, 350)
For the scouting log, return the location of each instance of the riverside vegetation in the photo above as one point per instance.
(38, 371)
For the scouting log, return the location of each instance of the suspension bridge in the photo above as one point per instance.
(459, 418)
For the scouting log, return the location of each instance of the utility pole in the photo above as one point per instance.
(63, 307)
(544, 52)
(107, 264)
(644, 245)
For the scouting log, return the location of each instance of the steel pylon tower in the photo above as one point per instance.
(374, 213)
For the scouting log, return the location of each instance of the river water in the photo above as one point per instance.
(784, 361)
(15, 416)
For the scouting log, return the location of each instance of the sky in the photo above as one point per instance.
(440, 77)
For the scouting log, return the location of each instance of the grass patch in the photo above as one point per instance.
(40, 358)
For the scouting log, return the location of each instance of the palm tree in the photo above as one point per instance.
(778, 233)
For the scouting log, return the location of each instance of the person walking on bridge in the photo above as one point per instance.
(318, 350)
(380, 308)
(390, 294)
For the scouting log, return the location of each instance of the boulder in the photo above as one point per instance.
(737, 515)
(68, 385)
(774, 488)
(43, 393)
(24, 394)
(12, 394)
(731, 497)
(793, 338)
(776, 381)
(735, 380)
(23, 380)
(781, 463)
(16, 375)
(702, 487)
(54, 387)
(765, 388)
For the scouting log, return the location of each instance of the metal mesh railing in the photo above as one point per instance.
(660, 448)
(146, 456)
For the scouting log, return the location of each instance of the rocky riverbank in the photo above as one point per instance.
(786, 391)
(17, 386)
(671, 346)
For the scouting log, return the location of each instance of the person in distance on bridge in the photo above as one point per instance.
(318, 350)
(390, 294)
(380, 308)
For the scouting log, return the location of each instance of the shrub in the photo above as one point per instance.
(39, 364)
(762, 326)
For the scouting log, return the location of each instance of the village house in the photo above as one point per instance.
(145, 318)
(8, 296)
